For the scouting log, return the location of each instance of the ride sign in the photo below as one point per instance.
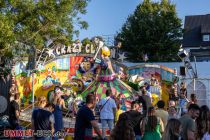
(75, 48)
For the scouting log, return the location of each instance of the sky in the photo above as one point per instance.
(106, 17)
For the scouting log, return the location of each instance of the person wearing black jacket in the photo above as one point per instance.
(135, 117)
(14, 112)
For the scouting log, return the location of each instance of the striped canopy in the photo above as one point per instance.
(117, 86)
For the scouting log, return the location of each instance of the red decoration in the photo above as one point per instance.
(74, 64)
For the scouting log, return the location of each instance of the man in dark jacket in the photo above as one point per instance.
(85, 121)
(135, 117)
(14, 112)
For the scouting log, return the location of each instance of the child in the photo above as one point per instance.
(118, 112)
(183, 102)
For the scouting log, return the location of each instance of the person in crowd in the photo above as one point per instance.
(73, 108)
(183, 89)
(146, 88)
(96, 110)
(173, 97)
(123, 130)
(117, 99)
(188, 122)
(12, 91)
(59, 97)
(107, 112)
(172, 130)
(50, 107)
(172, 112)
(183, 102)
(85, 121)
(14, 112)
(207, 134)
(171, 103)
(173, 108)
(123, 104)
(58, 114)
(118, 112)
(161, 113)
(145, 101)
(151, 126)
(43, 119)
(202, 121)
(135, 117)
(153, 80)
(193, 99)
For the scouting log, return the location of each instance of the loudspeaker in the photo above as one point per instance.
(182, 54)
(182, 71)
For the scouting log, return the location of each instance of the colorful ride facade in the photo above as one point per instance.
(164, 75)
(70, 67)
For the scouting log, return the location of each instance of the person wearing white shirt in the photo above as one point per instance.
(107, 112)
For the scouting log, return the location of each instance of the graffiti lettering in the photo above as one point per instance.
(68, 50)
(75, 48)
(57, 50)
(87, 48)
(63, 50)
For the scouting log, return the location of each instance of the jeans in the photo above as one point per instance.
(138, 137)
(14, 124)
(104, 123)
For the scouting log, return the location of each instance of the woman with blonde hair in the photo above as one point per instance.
(42, 118)
(42, 101)
(172, 130)
(206, 136)
(202, 121)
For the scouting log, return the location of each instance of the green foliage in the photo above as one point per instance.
(6, 33)
(133, 85)
(34, 22)
(86, 41)
(153, 29)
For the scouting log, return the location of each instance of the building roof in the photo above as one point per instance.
(200, 52)
(205, 28)
(194, 27)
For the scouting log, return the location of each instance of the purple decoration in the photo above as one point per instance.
(106, 78)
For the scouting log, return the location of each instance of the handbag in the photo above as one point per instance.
(101, 109)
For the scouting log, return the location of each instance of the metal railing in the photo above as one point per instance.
(201, 87)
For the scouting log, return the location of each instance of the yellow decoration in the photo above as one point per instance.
(68, 137)
(105, 52)
(155, 99)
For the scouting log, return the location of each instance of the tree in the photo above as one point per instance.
(153, 29)
(26, 25)
(36, 22)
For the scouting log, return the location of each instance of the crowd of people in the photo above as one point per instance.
(180, 119)
(47, 117)
(170, 120)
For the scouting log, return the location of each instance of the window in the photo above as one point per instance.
(206, 38)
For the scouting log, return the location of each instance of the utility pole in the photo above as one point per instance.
(195, 75)
(32, 67)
